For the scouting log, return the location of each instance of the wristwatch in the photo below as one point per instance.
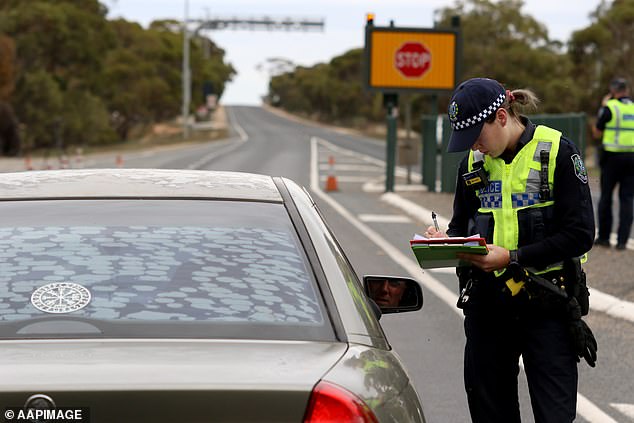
(514, 266)
(513, 258)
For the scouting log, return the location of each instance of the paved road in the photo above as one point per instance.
(374, 229)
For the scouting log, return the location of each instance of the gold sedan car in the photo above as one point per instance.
(188, 296)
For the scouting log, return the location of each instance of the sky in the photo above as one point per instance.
(344, 21)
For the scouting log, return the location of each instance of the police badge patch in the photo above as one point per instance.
(580, 169)
(453, 111)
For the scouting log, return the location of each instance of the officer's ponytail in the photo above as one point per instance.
(518, 101)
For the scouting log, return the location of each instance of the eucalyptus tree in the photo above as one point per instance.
(603, 50)
(502, 42)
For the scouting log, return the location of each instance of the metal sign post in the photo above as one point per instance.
(390, 100)
(404, 60)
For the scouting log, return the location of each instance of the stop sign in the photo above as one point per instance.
(412, 59)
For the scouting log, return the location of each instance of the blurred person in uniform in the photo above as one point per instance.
(615, 128)
(524, 188)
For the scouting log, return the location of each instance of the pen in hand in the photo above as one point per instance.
(433, 216)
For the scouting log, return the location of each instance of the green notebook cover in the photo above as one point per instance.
(434, 255)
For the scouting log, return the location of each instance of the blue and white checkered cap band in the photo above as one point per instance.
(464, 124)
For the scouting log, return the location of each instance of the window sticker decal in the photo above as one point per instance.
(60, 297)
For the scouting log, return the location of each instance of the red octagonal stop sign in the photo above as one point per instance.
(412, 59)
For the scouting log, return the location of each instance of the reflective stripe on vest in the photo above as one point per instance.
(618, 135)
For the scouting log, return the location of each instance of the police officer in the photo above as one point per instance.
(525, 188)
(615, 126)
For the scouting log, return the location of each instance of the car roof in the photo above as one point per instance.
(137, 183)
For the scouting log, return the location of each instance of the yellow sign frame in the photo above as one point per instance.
(382, 54)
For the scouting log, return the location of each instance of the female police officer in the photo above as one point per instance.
(525, 189)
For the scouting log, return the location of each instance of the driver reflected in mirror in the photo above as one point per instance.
(387, 293)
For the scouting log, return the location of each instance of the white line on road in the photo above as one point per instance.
(417, 212)
(384, 218)
(380, 187)
(627, 409)
(585, 408)
(398, 171)
(244, 137)
(234, 122)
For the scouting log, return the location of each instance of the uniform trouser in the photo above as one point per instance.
(494, 345)
(616, 168)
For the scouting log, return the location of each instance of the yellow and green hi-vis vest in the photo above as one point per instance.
(515, 186)
(618, 135)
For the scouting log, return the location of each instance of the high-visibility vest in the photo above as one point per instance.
(515, 187)
(618, 135)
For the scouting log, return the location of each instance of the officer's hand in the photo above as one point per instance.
(584, 342)
(606, 98)
(431, 232)
(497, 258)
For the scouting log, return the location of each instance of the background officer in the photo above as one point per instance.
(532, 204)
(615, 127)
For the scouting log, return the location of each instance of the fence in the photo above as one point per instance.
(440, 169)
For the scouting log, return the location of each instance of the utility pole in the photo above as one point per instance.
(265, 23)
(186, 74)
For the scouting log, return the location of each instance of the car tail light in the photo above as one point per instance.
(330, 403)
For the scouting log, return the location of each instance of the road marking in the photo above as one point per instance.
(419, 213)
(613, 306)
(380, 187)
(585, 408)
(384, 218)
(627, 409)
(244, 137)
(446, 270)
(398, 171)
(234, 122)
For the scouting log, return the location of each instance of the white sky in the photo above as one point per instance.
(344, 28)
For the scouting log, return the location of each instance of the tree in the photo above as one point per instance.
(65, 38)
(77, 75)
(501, 42)
(39, 103)
(60, 47)
(332, 91)
(145, 69)
(9, 132)
(603, 50)
(7, 65)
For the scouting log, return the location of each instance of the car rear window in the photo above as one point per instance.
(155, 268)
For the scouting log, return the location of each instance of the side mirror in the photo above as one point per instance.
(394, 294)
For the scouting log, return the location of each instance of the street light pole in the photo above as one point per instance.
(186, 74)
(267, 23)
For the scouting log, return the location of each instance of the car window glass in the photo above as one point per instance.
(192, 261)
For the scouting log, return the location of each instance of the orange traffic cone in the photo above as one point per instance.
(331, 181)
(119, 160)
